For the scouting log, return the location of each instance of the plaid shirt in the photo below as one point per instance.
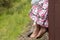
(39, 13)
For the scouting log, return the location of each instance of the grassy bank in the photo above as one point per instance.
(13, 21)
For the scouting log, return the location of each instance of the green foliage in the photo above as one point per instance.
(13, 19)
(7, 3)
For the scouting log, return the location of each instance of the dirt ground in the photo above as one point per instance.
(24, 36)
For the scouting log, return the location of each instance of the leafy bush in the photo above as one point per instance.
(7, 3)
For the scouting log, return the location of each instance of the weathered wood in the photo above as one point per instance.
(57, 19)
(54, 20)
(51, 18)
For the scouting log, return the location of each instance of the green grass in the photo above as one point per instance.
(13, 21)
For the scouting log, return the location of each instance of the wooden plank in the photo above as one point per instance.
(57, 19)
(51, 18)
